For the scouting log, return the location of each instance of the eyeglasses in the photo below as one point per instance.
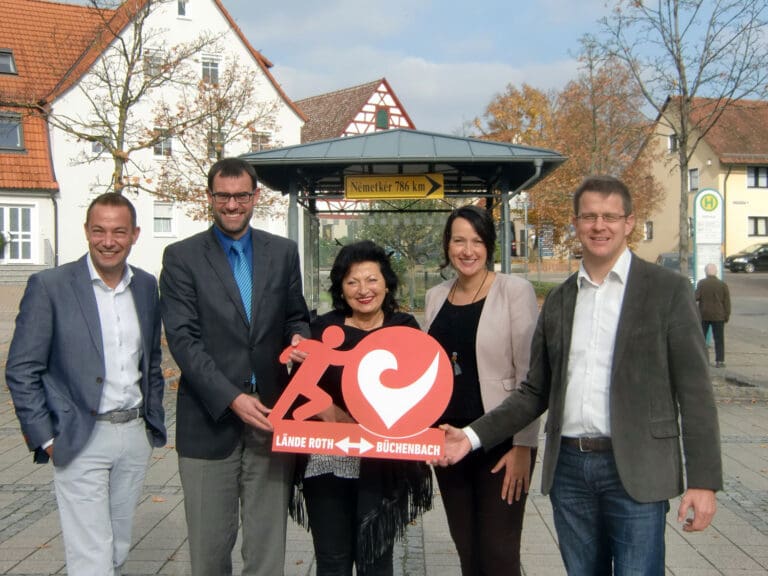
(240, 197)
(590, 218)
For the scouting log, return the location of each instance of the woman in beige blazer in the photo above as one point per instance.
(485, 322)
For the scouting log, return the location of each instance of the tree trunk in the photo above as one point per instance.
(685, 235)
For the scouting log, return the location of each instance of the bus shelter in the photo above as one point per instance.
(344, 175)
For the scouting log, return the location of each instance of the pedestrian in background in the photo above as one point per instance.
(84, 373)
(715, 309)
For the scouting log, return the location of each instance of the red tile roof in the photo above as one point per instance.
(740, 135)
(46, 38)
(29, 169)
(330, 114)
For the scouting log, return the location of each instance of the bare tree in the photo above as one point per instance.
(681, 50)
(234, 120)
(135, 67)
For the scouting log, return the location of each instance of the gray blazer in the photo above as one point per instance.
(212, 342)
(661, 391)
(55, 368)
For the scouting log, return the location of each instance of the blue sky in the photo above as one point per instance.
(444, 59)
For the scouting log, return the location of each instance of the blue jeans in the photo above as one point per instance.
(600, 528)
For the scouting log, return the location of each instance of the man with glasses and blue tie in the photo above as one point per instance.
(618, 358)
(232, 300)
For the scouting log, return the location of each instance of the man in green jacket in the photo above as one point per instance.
(715, 309)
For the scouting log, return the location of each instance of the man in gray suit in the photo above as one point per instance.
(618, 359)
(232, 299)
(84, 373)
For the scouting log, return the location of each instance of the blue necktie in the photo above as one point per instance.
(242, 277)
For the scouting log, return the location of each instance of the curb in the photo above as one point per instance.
(735, 388)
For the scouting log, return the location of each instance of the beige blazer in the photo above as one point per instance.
(503, 343)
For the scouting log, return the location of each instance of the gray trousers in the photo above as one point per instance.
(253, 483)
(97, 495)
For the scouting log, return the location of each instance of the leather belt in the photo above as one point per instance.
(121, 416)
(586, 444)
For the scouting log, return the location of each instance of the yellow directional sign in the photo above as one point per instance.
(400, 186)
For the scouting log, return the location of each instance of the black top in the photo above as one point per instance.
(455, 328)
(331, 379)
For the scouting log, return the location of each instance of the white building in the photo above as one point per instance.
(51, 57)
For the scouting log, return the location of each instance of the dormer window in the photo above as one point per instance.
(10, 132)
(7, 63)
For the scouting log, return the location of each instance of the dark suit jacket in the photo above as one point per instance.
(660, 387)
(55, 368)
(213, 344)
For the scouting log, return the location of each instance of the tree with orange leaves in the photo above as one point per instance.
(595, 121)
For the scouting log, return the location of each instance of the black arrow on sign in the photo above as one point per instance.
(435, 185)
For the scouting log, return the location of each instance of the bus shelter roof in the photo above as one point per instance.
(470, 167)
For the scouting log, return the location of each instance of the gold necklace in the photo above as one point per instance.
(453, 289)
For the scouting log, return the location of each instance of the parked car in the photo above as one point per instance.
(754, 257)
(671, 260)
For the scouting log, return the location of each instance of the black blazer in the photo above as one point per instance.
(661, 390)
(212, 342)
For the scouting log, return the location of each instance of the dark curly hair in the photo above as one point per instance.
(481, 222)
(364, 251)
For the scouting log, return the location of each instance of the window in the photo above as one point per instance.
(260, 141)
(210, 70)
(7, 63)
(648, 230)
(672, 143)
(163, 145)
(215, 144)
(382, 118)
(693, 179)
(153, 64)
(757, 176)
(757, 226)
(97, 147)
(10, 132)
(16, 228)
(182, 7)
(163, 219)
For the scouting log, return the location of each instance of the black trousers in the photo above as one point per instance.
(332, 510)
(485, 529)
(718, 334)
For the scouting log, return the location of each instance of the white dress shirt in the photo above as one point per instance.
(587, 410)
(121, 338)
